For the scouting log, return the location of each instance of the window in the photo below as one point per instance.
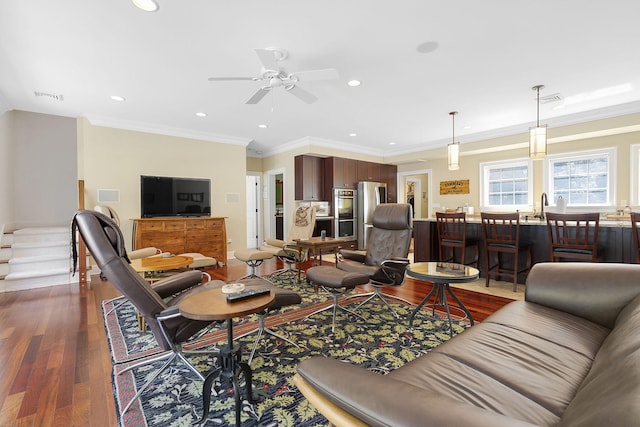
(506, 185)
(583, 179)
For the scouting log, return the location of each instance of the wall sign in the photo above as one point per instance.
(460, 186)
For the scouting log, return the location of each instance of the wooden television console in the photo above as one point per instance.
(205, 235)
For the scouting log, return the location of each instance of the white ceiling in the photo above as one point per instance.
(489, 54)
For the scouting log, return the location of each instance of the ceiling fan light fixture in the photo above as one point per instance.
(453, 149)
(538, 134)
(146, 5)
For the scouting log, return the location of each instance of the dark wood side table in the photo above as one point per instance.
(441, 274)
(212, 305)
(318, 244)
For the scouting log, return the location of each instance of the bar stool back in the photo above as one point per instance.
(573, 236)
(635, 219)
(501, 234)
(452, 235)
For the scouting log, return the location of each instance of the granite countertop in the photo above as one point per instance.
(610, 221)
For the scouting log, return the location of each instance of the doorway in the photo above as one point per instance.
(274, 201)
(416, 185)
(254, 235)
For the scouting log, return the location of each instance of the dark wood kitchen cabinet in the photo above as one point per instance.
(368, 171)
(340, 173)
(309, 173)
(389, 175)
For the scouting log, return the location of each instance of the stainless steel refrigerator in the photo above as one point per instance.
(370, 195)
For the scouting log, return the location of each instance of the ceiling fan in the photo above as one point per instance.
(275, 76)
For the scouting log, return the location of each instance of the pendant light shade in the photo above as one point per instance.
(538, 134)
(453, 149)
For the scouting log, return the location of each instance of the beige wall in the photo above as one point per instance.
(37, 170)
(6, 172)
(115, 159)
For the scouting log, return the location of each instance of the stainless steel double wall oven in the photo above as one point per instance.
(345, 213)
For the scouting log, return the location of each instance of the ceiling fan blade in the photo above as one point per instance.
(302, 94)
(221, 79)
(257, 97)
(267, 59)
(326, 74)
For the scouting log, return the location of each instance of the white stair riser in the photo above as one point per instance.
(5, 254)
(36, 282)
(6, 239)
(38, 266)
(61, 250)
(45, 237)
(4, 269)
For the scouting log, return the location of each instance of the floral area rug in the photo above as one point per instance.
(379, 342)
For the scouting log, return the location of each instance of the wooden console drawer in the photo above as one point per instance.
(158, 239)
(196, 224)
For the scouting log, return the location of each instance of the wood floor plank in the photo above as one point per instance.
(10, 408)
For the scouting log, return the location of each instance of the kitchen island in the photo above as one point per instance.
(614, 237)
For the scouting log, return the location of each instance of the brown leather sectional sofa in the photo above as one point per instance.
(569, 355)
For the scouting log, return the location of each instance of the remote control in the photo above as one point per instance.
(247, 293)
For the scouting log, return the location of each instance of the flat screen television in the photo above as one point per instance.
(171, 196)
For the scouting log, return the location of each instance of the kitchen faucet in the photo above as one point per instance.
(543, 202)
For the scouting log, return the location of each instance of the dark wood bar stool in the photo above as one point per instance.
(501, 234)
(635, 219)
(573, 236)
(452, 235)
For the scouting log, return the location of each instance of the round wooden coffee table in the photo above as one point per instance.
(212, 305)
(441, 274)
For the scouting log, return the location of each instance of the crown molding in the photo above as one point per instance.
(163, 130)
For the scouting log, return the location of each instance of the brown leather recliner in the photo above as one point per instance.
(385, 259)
(105, 242)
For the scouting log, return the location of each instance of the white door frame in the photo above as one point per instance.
(253, 198)
(269, 196)
(402, 187)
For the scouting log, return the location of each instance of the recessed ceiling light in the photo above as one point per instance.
(427, 47)
(201, 114)
(146, 5)
(354, 83)
(392, 143)
(353, 134)
(263, 126)
(117, 98)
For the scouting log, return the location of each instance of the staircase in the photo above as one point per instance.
(34, 258)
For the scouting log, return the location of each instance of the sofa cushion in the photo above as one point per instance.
(526, 362)
(610, 394)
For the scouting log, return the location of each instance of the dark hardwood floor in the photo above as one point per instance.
(55, 367)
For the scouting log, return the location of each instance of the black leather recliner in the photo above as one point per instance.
(385, 259)
(105, 242)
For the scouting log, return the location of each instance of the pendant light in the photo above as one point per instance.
(538, 134)
(453, 149)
